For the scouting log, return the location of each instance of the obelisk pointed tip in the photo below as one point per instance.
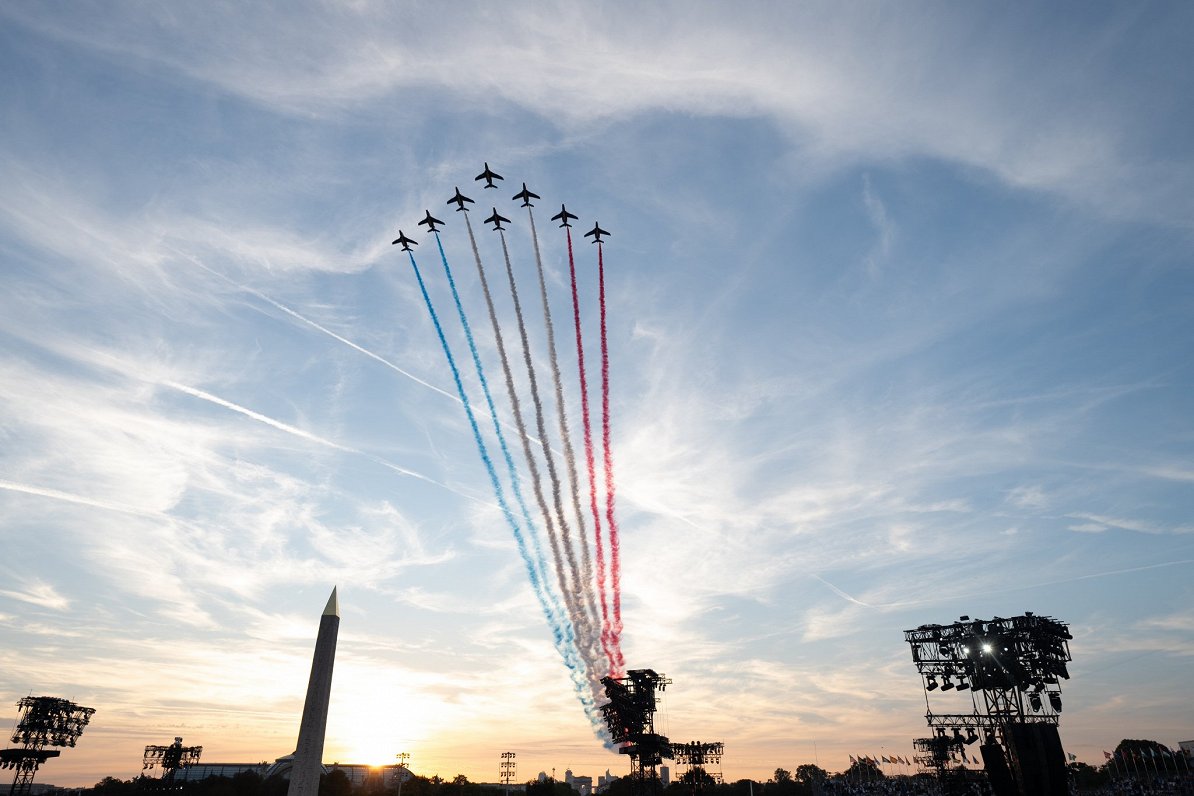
(333, 606)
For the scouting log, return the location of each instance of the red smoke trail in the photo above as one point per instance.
(615, 559)
(589, 460)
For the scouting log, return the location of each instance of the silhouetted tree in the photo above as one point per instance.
(112, 786)
(863, 771)
(809, 773)
(549, 787)
(335, 783)
(782, 775)
(1087, 777)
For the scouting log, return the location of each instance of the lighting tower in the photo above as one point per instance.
(508, 768)
(630, 717)
(1012, 668)
(403, 771)
(170, 758)
(46, 721)
(698, 757)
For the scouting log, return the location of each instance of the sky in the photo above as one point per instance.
(899, 312)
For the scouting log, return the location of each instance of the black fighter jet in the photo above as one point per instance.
(497, 220)
(405, 241)
(430, 221)
(596, 232)
(563, 217)
(489, 176)
(459, 199)
(526, 196)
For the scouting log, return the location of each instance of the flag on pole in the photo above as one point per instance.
(1073, 757)
(1106, 754)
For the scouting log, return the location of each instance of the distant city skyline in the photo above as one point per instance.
(899, 318)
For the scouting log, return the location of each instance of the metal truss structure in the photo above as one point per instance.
(507, 769)
(1012, 668)
(698, 758)
(630, 717)
(937, 751)
(170, 758)
(45, 721)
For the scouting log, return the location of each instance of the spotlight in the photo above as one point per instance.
(946, 683)
(958, 739)
(932, 683)
(971, 736)
(963, 685)
(987, 648)
(1034, 699)
(1055, 701)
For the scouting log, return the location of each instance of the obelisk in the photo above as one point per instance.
(308, 754)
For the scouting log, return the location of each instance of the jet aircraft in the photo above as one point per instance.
(405, 241)
(459, 199)
(497, 220)
(526, 196)
(489, 176)
(596, 232)
(430, 221)
(563, 217)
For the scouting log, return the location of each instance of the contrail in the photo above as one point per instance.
(70, 497)
(307, 435)
(565, 434)
(515, 403)
(615, 555)
(324, 330)
(591, 465)
(969, 595)
(563, 637)
(314, 325)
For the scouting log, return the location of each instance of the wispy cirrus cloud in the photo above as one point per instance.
(884, 96)
(39, 593)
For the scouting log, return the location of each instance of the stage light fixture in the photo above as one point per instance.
(1055, 701)
(932, 683)
(987, 648)
(963, 685)
(946, 683)
(1034, 699)
(971, 736)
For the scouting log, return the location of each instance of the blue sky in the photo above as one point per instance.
(900, 306)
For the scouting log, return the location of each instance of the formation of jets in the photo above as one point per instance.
(525, 196)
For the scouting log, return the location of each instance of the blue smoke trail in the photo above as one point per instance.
(562, 634)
